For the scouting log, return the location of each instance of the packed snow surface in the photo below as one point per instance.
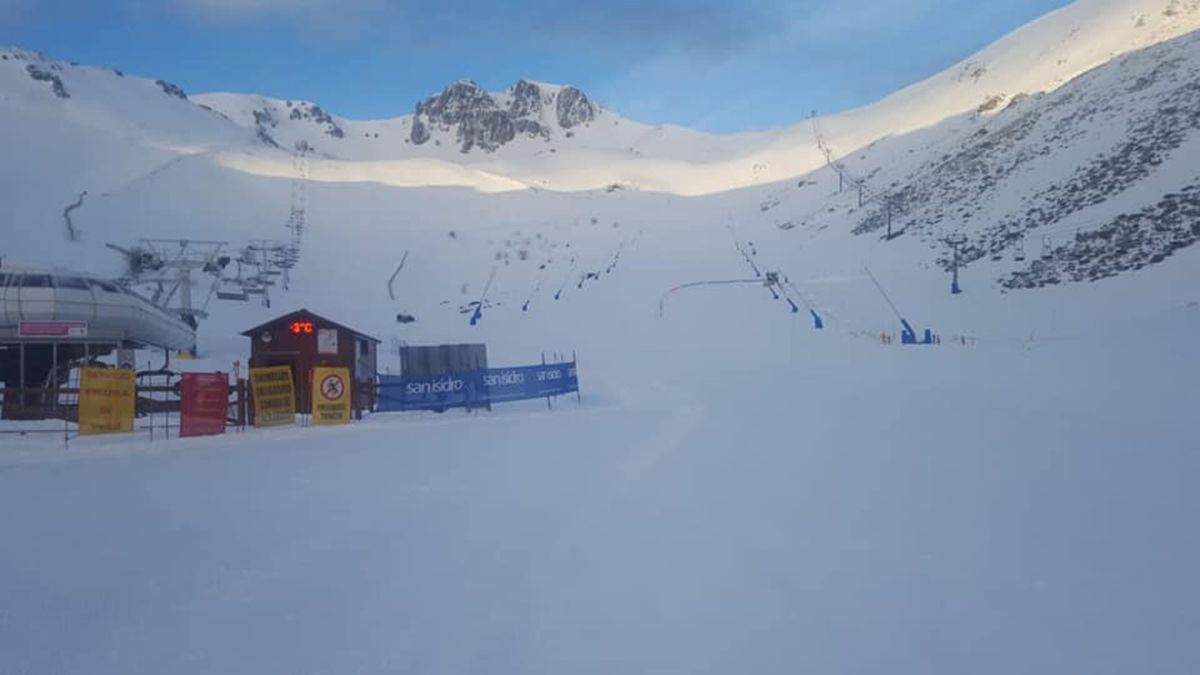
(735, 491)
(775, 501)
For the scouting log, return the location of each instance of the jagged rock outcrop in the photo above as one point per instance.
(317, 115)
(1129, 241)
(526, 99)
(43, 75)
(264, 119)
(574, 108)
(479, 120)
(171, 89)
(420, 133)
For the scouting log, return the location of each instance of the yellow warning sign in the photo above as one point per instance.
(106, 401)
(274, 396)
(331, 396)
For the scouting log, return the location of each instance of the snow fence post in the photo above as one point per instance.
(549, 406)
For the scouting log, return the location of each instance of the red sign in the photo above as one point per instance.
(52, 329)
(301, 327)
(204, 405)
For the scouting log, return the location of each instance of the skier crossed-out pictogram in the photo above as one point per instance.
(333, 387)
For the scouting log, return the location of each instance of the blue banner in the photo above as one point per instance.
(476, 388)
(434, 392)
(528, 382)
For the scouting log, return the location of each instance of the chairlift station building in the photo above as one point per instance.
(50, 321)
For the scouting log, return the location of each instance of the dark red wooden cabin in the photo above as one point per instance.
(303, 340)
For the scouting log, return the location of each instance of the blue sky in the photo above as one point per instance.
(718, 66)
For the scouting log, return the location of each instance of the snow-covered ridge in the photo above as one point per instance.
(475, 128)
(553, 137)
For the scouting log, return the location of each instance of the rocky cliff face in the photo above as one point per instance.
(574, 108)
(487, 121)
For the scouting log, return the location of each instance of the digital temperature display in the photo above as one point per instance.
(301, 328)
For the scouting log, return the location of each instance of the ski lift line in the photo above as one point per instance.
(483, 298)
(488, 286)
(737, 244)
(212, 290)
(884, 293)
(532, 294)
(810, 306)
(866, 194)
(567, 277)
(1058, 226)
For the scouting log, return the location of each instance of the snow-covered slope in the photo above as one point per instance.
(1088, 181)
(68, 129)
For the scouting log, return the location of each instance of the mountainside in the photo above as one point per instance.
(554, 137)
(1088, 181)
(503, 134)
(1049, 172)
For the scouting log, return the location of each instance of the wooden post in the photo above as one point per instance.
(249, 399)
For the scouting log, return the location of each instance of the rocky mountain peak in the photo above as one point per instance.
(526, 99)
(488, 121)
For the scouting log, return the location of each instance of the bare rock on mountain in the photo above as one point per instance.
(487, 121)
(171, 89)
(311, 112)
(420, 133)
(489, 129)
(574, 108)
(526, 99)
(42, 75)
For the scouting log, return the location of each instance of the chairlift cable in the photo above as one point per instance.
(884, 293)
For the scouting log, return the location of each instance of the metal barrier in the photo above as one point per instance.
(156, 412)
